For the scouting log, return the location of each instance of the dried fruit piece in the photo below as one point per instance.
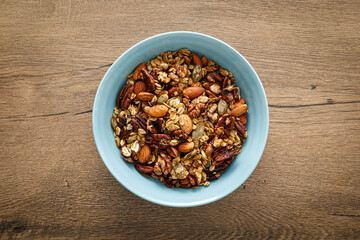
(157, 111)
(193, 92)
(243, 119)
(185, 123)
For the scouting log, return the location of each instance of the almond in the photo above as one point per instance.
(137, 71)
(144, 154)
(237, 104)
(157, 111)
(193, 92)
(173, 152)
(185, 123)
(186, 147)
(145, 96)
(204, 61)
(196, 60)
(139, 87)
(240, 110)
(187, 60)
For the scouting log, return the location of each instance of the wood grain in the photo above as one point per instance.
(53, 183)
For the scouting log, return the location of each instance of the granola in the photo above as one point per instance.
(180, 119)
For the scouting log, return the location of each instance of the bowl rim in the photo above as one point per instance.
(136, 191)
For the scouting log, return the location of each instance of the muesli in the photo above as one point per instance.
(180, 119)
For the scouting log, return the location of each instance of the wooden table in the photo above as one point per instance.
(53, 55)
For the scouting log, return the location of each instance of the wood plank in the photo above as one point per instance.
(53, 183)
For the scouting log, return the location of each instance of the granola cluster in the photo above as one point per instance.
(180, 119)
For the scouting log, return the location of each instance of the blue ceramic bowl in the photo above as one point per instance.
(251, 89)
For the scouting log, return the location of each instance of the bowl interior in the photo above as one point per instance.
(250, 89)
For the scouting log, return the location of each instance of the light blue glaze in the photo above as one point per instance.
(250, 87)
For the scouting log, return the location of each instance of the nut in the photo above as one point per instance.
(187, 60)
(237, 104)
(199, 131)
(224, 153)
(204, 61)
(240, 128)
(213, 77)
(144, 154)
(137, 71)
(193, 92)
(144, 169)
(145, 96)
(185, 123)
(240, 110)
(157, 111)
(222, 107)
(196, 60)
(124, 98)
(173, 152)
(215, 88)
(139, 87)
(149, 80)
(163, 98)
(181, 70)
(175, 91)
(186, 147)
